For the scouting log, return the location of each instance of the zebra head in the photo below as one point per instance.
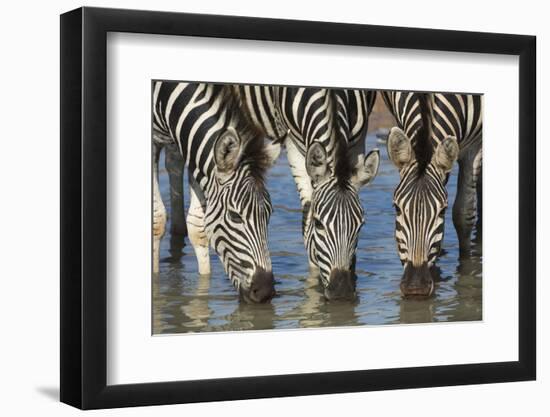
(335, 216)
(239, 209)
(420, 200)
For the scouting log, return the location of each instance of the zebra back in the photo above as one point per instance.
(192, 115)
(458, 115)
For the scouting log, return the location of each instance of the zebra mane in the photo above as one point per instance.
(257, 159)
(255, 155)
(423, 148)
(343, 168)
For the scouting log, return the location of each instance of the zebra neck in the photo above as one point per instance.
(204, 185)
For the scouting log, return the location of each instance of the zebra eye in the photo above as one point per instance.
(318, 224)
(235, 217)
(397, 209)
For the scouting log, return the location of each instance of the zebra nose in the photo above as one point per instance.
(341, 286)
(261, 289)
(417, 281)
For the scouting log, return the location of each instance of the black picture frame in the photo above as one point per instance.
(84, 207)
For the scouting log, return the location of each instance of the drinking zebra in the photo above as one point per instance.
(433, 131)
(323, 131)
(227, 158)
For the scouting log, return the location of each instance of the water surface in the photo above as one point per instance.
(184, 301)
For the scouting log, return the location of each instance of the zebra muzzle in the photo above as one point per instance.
(262, 288)
(417, 281)
(341, 286)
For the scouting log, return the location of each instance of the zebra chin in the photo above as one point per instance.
(417, 281)
(261, 289)
(341, 286)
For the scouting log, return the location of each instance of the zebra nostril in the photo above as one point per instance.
(247, 265)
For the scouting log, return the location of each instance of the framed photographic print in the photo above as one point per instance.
(259, 208)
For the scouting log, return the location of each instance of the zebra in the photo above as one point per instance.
(434, 130)
(323, 131)
(227, 159)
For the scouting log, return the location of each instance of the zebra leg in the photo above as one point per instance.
(478, 172)
(297, 163)
(464, 208)
(175, 165)
(197, 233)
(159, 211)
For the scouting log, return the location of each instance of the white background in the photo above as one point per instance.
(30, 158)
(133, 60)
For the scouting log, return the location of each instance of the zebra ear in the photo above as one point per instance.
(446, 154)
(399, 148)
(366, 169)
(317, 163)
(227, 152)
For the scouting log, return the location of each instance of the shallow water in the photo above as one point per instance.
(184, 301)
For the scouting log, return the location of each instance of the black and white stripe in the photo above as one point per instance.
(457, 115)
(308, 114)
